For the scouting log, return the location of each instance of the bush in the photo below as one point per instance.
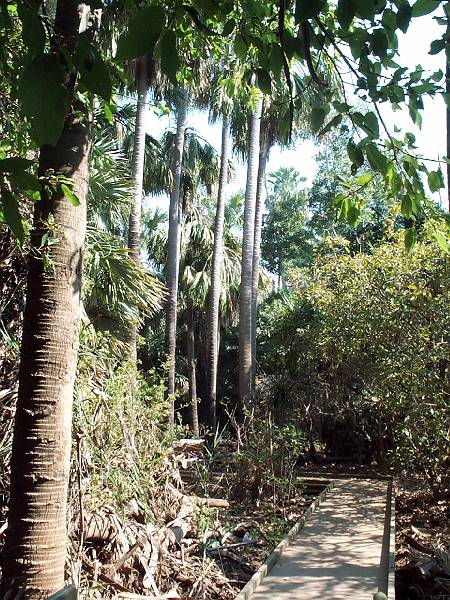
(362, 341)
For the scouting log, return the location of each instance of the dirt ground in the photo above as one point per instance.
(422, 543)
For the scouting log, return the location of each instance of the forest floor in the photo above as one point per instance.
(209, 549)
(422, 543)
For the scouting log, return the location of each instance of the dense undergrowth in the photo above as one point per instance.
(356, 354)
(352, 373)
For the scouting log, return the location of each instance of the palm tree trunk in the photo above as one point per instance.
(192, 368)
(245, 296)
(447, 89)
(134, 225)
(173, 254)
(216, 279)
(36, 538)
(263, 158)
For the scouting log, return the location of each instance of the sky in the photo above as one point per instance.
(431, 138)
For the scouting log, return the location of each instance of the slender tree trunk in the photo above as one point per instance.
(263, 158)
(245, 296)
(192, 368)
(134, 225)
(216, 280)
(173, 256)
(35, 547)
(447, 89)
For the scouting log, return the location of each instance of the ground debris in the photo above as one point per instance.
(200, 546)
(422, 544)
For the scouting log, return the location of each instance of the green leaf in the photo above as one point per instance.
(410, 237)
(307, 9)
(276, 61)
(12, 216)
(71, 197)
(33, 32)
(228, 28)
(345, 13)
(435, 181)
(143, 32)
(240, 47)
(108, 113)
(364, 8)
(43, 98)
(336, 120)
(94, 74)
(406, 208)
(355, 154)
(436, 46)
(364, 178)
(376, 159)
(357, 41)
(170, 62)
(371, 123)
(264, 81)
(424, 7)
(341, 107)
(14, 164)
(353, 214)
(441, 240)
(318, 115)
(403, 17)
(379, 43)
(25, 182)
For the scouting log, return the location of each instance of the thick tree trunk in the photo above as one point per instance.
(134, 225)
(192, 368)
(35, 547)
(216, 280)
(263, 158)
(245, 297)
(173, 255)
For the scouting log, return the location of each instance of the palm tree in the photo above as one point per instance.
(35, 546)
(259, 208)
(173, 254)
(216, 278)
(245, 300)
(142, 67)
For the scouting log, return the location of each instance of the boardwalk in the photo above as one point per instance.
(342, 552)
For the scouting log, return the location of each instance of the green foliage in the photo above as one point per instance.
(144, 29)
(284, 237)
(94, 73)
(365, 335)
(116, 412)
(43, 98)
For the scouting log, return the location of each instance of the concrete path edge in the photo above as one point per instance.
(256, 579)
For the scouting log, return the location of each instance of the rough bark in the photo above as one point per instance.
(192, 368)
(173, 255)
(216, 280)
(35, 546)
(245, 296)
(134, 225)
(259, 209)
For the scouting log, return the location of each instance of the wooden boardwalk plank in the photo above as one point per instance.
(339, 553)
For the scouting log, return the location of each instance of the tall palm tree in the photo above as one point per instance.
(259, 209)
(245, 299)
(173, 253)
(35, 546)
(142, 67)
(216, 278)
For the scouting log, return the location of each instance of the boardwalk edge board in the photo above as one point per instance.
(391, 566)
(249, 589)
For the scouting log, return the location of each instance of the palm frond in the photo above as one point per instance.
(117, 290)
